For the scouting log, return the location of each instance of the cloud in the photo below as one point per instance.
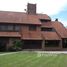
(50, 7)
(64, 22)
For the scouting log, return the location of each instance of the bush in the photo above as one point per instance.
(17, 45)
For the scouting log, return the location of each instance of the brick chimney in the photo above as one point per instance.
(31, 8)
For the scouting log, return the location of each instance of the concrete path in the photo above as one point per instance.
(51, 52)
(8, 53)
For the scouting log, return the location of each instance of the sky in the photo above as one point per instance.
(53, 8)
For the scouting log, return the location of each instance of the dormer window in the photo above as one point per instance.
(48, 29)
(44, 20)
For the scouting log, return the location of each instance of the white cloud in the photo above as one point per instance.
(50, 7)
(64, 22)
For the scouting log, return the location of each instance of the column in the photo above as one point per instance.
(60, 45)
(9, 44)
(43, 44)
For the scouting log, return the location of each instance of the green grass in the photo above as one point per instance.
(2, 52)
(32, 59)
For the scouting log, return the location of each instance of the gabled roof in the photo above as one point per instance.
(44, 16)
(10, 17)
(31, 19)
(50, 36)
(18, 17)
(60, 29)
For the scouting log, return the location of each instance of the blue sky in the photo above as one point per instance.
(53, 8)
(62, 16)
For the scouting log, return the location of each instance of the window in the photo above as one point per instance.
(6, 27)
(17, 27)
(44, 20)
(9, 27)
(52, 43)
(32, 27)
(47, 29)
(3, 27)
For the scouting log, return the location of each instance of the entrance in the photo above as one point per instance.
(2, 44)
(52, 43)
(64, 43)
(32, 44)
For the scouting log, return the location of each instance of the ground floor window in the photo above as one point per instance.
(52, 43)
(32, 44)
(3, 42)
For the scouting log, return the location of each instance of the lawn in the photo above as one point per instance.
(33, 59)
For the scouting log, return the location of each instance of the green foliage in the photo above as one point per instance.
(17, 45)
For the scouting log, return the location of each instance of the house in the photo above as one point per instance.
(36, 31)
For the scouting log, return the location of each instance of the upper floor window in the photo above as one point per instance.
(47, 29)
(9, 27)
(32, 27)
(3, 27)
(17, 27)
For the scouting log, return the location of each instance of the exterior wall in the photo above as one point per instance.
(30, 34)
(25, 28)
(39, 28)
(9, 43)
(25, 31)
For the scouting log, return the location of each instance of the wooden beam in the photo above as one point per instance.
(43, 45)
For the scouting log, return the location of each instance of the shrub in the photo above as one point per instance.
(17, 45)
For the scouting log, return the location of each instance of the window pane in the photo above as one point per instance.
(17, 27)
(3, 27)
(10, 28)
(47, 29)
(45, 20)
(32, 27)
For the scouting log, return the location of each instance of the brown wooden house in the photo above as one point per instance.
(36, 31)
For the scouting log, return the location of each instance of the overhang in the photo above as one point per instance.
(10, 34)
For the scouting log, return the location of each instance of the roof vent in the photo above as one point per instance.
(56, 19)
(31, 8)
